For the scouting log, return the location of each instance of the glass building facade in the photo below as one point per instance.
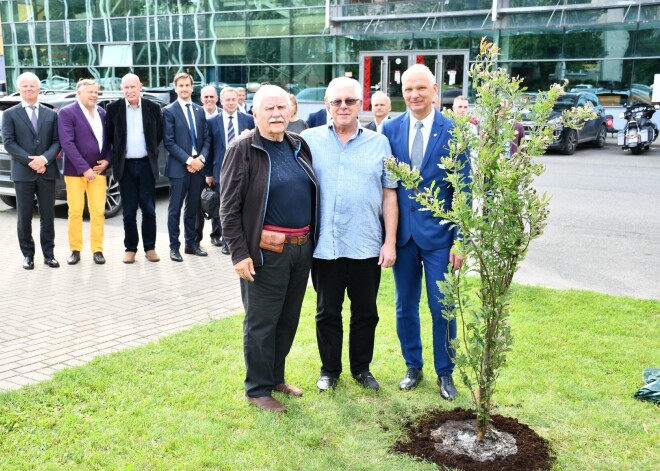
(612, 45)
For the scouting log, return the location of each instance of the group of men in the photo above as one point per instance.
(128, 135)
(323, 203)
(320, 202)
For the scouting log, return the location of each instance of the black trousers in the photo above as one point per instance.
(186, 189)
(360, 279)
(45, 192)
(138, 189)
(272, 310)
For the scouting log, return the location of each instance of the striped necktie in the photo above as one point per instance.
(230, 131)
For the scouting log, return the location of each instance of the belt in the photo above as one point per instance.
(297, 240)
(137, 158)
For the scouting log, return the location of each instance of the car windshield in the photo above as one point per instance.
(564, 103)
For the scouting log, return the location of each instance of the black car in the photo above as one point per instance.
(567, 139)
(56, 100)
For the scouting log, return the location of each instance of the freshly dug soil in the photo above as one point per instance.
(533, 451)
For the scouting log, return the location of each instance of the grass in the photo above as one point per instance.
(177, 403)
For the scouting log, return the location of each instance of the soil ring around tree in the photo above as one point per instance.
(533, 451)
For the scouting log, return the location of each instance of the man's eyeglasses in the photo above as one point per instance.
(348, 101)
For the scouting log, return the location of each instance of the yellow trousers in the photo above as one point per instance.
(76, 187)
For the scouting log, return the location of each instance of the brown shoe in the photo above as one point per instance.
(266, 403)
(288, 389)
(129, 257)
(152, 256)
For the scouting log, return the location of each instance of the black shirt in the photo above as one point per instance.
(290, 192)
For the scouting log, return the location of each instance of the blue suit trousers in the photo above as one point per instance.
(411, 262)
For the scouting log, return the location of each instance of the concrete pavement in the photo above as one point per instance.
(54, 318)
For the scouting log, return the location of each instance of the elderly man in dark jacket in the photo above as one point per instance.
(269, 202)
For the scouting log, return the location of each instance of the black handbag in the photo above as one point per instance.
(209, 202)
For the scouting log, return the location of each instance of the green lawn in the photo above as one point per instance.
(177, 404)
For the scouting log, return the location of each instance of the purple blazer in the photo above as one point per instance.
(81, 149)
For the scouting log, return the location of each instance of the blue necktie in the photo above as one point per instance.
(417, 150)
(230, 131)
(191, 126)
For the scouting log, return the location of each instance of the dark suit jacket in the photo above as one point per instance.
(422, 225)
(373, 126)
(21, 140)
(318, 118)
(81, 150)
(218, 141)
(176, 137)
(116, 126)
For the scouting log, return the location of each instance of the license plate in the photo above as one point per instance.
(2, 149)
(632, 140)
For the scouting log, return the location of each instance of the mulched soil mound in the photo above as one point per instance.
(533, 451)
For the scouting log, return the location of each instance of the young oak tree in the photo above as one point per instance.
(498, 213)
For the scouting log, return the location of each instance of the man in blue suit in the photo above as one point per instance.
(222, 136)
(186, 138)
(319, 118)
(420, 137)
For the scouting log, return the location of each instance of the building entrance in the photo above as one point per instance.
(382, 71)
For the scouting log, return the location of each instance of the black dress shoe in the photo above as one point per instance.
(73, 258)
(326, 382)
(367, 380)
(225, 248)
(28, 263)
(216, 241)
(447, 388)
(51, 262)
(411, 379)
(195, 251)
(175, 255)
(99, 259)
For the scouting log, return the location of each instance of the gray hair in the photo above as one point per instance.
(129, 76)
(380, 94)
(344, 82)
(86, 83)
(210, 88)
(27, 76)
(269, 90)
(416, 69)
(226, 90)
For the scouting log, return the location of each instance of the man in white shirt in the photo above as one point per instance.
(210, 101)
(381, 107)
(82, 135)
(186, 139)
(241, 95)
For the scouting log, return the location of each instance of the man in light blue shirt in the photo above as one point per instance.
(359, 214)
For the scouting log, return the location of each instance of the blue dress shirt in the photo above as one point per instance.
(351, 178)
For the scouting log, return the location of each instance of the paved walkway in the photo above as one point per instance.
(58, 318)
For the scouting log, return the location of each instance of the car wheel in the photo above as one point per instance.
(600, 137)
(570, 142)
(112, 198)
(9, 200)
